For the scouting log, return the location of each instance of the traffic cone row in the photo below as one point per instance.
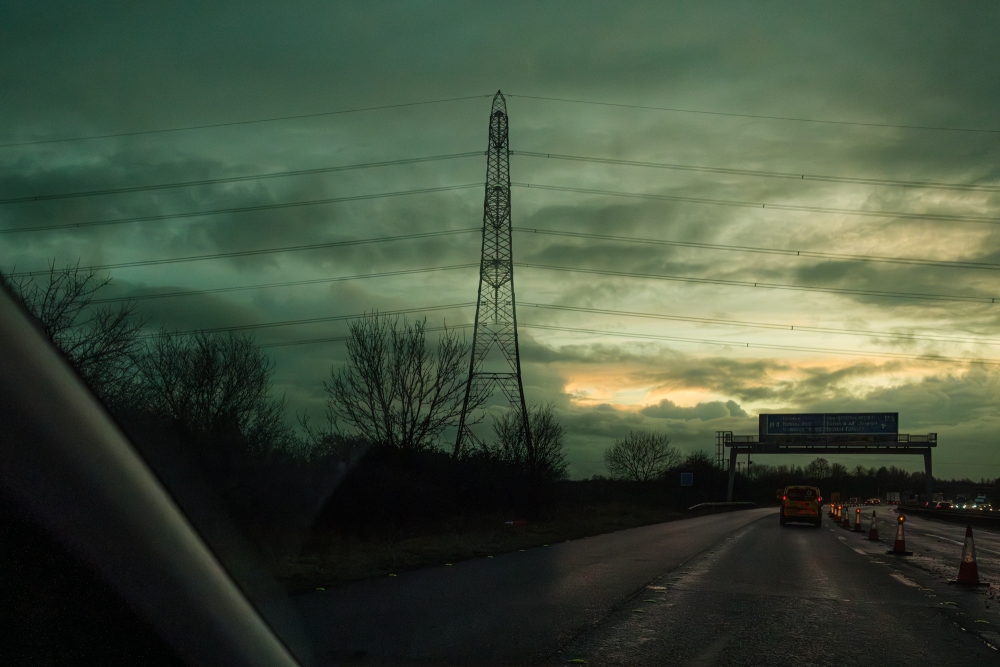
(968, 569)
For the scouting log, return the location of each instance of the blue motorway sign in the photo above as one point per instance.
(835, 423)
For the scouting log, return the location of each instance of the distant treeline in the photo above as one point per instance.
(857, 482)
(201, 408)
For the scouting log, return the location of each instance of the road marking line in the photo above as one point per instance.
(946, 539)
(903, 580)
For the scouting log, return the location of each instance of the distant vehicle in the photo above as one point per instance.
(801, 503)
(892, 498)
(873, 501)
(943, 505)
(980, 500)
(854, 501)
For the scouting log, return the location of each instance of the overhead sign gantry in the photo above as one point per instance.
(827, 433)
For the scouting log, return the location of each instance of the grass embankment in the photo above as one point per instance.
(332, 560)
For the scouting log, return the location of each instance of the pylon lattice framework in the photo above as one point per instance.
(496, 320)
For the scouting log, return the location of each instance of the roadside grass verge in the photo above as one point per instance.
(331, 560)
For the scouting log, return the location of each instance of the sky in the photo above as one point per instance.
(906, 94)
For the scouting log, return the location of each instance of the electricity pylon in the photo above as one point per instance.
(496, 360)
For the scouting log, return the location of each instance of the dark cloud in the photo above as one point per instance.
(74, 70)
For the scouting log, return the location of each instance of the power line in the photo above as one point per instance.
(780, 207)
(446, 188)
(761, 325)
(454, 156)
(878, 259)
(291, 283)
(337, 339)
(624, 274)
(238, 179)
(793, 348)
(705, 341)
(599, 311)
(763, 174)
(238, 209)
(313, 320)
(240, 122)
(760, 116)
(264, 251)
(745, 283)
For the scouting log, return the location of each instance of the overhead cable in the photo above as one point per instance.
(262, 251)
(236, 209)
(764, 174)
(765, 205)
(778, 286)
(337, 339)
(290, 283)
(238, 179)
(900, 126)
(271, 119)
(878, 259)
(680, 339)
(311, 320)
(765, 346)
(762, 325)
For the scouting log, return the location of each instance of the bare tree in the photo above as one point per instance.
(546, 454)
(641, 456)
(99, 342)
(211, 383)
(818, 468)
(394, 390)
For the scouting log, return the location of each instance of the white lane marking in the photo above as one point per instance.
(903, 580)
(946, 539)
(860, 551)
(961, 544)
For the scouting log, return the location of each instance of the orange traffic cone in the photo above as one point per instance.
(873, 531)
(857, 520)
(846, 523)
(899, 546)
(968, 571)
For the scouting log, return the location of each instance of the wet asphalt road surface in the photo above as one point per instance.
(799, 595)
(514, 608)
(732, 589)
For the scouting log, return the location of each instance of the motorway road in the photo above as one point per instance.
(730, 589)
(512, 608)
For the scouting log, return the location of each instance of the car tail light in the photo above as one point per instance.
(784, 497)
(819, 499)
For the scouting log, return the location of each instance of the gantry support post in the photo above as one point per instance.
(928, 475)
(732, 474)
